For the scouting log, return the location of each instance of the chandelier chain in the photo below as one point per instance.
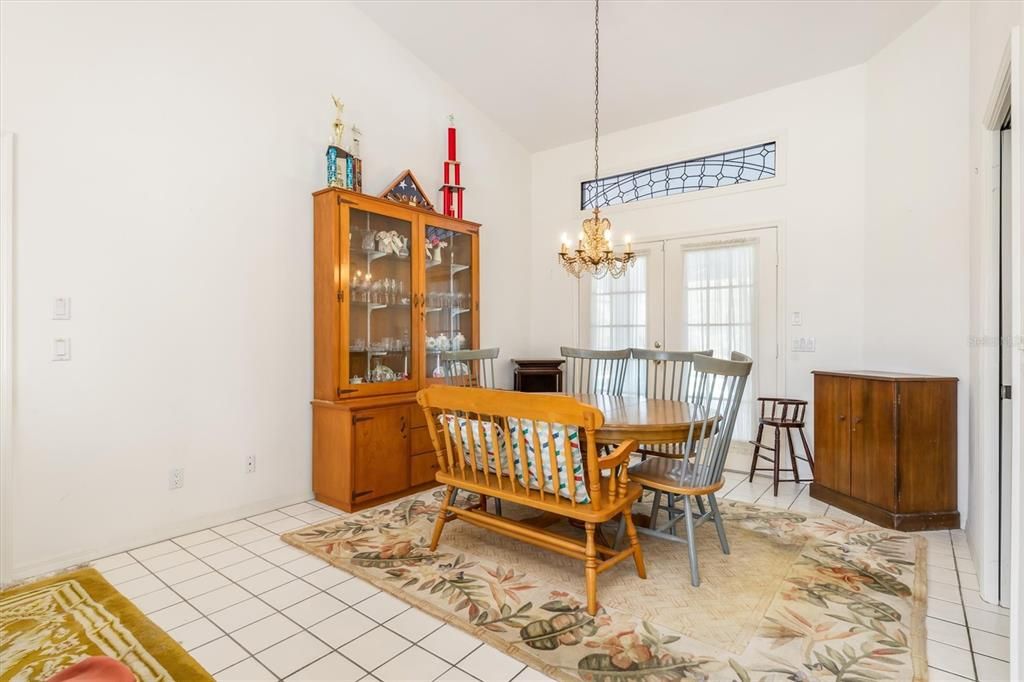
(594, 253)
(597, 79)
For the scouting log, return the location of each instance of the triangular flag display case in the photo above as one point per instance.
(406, 189)
(395, 284)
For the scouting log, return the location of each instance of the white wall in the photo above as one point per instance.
(165, 155)
(872, 208)
(819, 207)
(917, 255)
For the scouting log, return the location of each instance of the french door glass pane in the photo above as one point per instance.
(380, 291)
(449, 306)
(618, 313)
(719, 314)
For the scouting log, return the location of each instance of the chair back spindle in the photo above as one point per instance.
(665, 375)
(473, 368)
(595, 371)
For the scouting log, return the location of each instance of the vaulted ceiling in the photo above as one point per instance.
(529, 64)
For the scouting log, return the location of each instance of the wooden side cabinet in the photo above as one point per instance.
(885, 447)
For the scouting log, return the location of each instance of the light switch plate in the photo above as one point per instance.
(803, 344)
(797, 319)
(61, 349)
(61, 308)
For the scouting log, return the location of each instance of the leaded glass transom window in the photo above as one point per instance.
(749, 164)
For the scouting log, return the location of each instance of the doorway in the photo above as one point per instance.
(712, 292)
(1005, 359)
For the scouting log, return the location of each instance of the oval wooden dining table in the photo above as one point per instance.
(648, 420)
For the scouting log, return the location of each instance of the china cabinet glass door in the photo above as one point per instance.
(449, 306)
(381, 302)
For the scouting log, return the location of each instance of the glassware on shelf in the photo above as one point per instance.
(369, 239)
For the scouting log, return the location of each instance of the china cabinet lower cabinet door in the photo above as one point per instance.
(380, 448)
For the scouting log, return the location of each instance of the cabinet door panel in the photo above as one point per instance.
(451, 293)
(873, 442)
(381, 448)
(380, 318)
(832, 432)
(927, 446)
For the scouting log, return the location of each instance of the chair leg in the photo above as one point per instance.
(691, 543)
(455, 494)
(792, 455)
(757, 449)
(590, 569)
(700, 505)
(807, 449)
(671, 511)
(655, 508)
(719, 524)
(634, 542)
(441, 517)
(775, 466)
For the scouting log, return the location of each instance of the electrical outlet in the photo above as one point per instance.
(176, 479)
(250, 464)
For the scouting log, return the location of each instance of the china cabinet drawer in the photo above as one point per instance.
(421, 441)
(423, 468)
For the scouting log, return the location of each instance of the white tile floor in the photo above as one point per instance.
(250, 607)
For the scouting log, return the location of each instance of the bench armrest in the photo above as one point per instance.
(619, 455)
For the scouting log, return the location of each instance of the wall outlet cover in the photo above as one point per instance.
(176, 479)
(250, 464)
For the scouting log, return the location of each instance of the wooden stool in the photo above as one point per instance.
(781, 413)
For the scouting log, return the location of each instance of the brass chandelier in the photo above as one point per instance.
(593, 252)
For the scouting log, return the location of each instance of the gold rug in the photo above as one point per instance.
(47, 625)
(799, 597)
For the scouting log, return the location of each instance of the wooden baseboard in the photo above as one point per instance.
(884, 517)
(366, 504)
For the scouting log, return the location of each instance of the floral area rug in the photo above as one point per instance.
(799, 598)
(48, 625)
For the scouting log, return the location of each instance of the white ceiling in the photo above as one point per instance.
(529, 64)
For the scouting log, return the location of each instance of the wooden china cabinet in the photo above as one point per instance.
(384, 307)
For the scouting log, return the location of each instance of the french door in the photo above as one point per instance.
(715, 292)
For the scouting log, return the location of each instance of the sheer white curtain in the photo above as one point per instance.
(720, 311)
(618, 313)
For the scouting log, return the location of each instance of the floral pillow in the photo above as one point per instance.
(460, 428)
(538, 464)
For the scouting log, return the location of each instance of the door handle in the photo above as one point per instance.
(657, 344)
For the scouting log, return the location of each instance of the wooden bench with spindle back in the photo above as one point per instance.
(538, 451)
